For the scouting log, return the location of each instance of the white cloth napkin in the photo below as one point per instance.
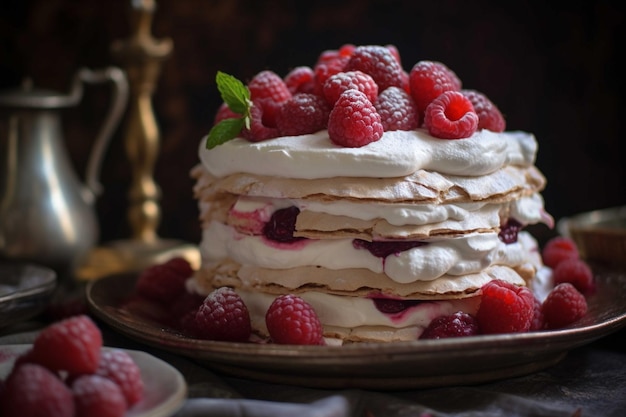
(333, 406)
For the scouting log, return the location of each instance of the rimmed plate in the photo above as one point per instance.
(381, 366)
(25, 290)
(165, 389)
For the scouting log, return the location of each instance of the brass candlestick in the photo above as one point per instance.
(141, 56)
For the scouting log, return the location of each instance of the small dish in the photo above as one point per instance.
(600, 234)
(25, 290)
(165, 389)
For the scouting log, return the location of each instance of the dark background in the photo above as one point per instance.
(554, 72)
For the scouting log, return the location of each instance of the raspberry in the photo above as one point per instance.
(224, 316)
(71, 345)
(32, 390)
(575, 271)
(282, 224)
(224, 112)
(302, 114)
(428, 80)
(379, 62)
(268, 85)
(489, 116)
(160, 283)
(338, 83)
(563, 305)
(558, 249)
(397, 110)
(300, 80)
(325, 68)
(119, 367)
(450, 116)
(97, 396)
(505, 308)
(354, 121)
(260, 126)
(537, 321)
(454, 325)
(394, 51)
(180, 265)
(291, 320)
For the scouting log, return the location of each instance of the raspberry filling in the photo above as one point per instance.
(282, 224)
(384, 249)
(393, 306)
(509, 231)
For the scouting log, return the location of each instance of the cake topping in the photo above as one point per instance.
(251, 111)
(451, 116)
(354, 121)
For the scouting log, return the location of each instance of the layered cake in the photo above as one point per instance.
(384, 198)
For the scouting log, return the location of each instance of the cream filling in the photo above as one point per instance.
(352, 313)
(396, 154)
(453, 256)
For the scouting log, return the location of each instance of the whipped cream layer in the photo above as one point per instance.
(358, 319)
(526, 210)
(461, 255)
(396, 154)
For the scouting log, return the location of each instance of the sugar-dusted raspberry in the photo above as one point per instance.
(300, 80)
(118, 366)
(563, 306)
(397, 110)
(537, 321)
(303, 113)
(268, 85)
(224, 112)
(379, 63)
(395, 52)
(336, 84)
(577, 272)
(354, 121)
(160, 283)
(505, 308)
(558, 249)
(292, 321)
(262, 127)
(224, 316)
(71, 345)
(428, 80)
(454, 325)
(451, 116)
(326, 68)
(33, 390)
(489, 116)
(97, 396)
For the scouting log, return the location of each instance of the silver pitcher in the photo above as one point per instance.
(47, 214)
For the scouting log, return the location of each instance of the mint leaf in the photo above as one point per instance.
(224, 131)
(234, 93)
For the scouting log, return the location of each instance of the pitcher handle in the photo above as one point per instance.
(119, 99)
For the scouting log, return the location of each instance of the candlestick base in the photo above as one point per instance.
(122, 256)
